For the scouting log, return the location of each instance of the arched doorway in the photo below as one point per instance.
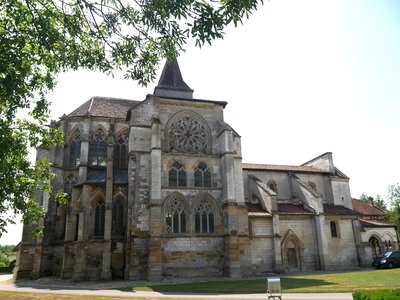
(376, 248)
(292, 252)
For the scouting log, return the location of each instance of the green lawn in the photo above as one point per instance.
(340, 282)
(48, 296)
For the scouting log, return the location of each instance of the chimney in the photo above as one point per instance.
(371, 201)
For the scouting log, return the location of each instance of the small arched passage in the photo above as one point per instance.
(376, 246)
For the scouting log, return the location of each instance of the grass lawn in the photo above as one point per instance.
(328, 283)
(47, 296)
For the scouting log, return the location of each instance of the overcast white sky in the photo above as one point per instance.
(301, 78)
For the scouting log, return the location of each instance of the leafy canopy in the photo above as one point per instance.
(393, 197)
(40, 38)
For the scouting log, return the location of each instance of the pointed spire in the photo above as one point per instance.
(171, 83)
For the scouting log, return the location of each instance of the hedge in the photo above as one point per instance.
(9, 268)
(393, 294)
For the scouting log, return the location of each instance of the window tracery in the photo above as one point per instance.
(121, 151)
(202, 176)
(100, 214)
(117, 228)
(175, 216)
(69, 183)
(98, 149)
(204, 217)
(177, 175)
(188, 134)
(75, 149)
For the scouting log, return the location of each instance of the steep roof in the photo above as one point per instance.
(289, 208)
(104, 107)
(171, 83)
(338, 210)
(365, 208)
(370, 223)
(265, 167)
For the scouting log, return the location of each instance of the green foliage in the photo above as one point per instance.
(364, 197)
(7, 258)
(393, 214)
(393, 294)
(378, 200)
(394, 194)
(41, 38)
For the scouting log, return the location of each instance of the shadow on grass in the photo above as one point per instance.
(292, 283)
(231, 287)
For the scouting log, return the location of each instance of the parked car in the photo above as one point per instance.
(389, 259)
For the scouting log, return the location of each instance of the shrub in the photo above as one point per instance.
(9, 268)
(393, 294)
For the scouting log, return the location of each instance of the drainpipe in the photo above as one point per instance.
(355, 243)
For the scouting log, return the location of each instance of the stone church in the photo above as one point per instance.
(157, 188)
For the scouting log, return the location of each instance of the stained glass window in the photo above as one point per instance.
(188, 134)
(98, 149)
(204, 218)
(175, 218)
(75, 149)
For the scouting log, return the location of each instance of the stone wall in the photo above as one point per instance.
(193, 256)
(342, 249)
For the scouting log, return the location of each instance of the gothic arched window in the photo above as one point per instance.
(69, 183)
(99, 220)
(375, 246)
(117, 227)
(204, 218)
(202, 176)
(175, 216)
(75, 149)
(98, 149)
(334, 230)
(177, 175)
(121, 151)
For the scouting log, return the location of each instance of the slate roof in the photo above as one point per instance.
(255, 210)
(171, 82)
(338, 210)
(340, 174)
(99, 177)
(290, 208)
(370, 223)
(104, 107)
(255, 207)
(267, 167)
(365, 208)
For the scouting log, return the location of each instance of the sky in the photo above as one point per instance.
(301, 78)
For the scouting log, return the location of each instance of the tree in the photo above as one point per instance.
(364, 197)
(41, 38)
(378, 200)
(393, 197)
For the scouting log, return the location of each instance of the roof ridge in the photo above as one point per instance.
(90, 105)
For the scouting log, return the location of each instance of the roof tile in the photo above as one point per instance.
(104, 107)
(365, 208)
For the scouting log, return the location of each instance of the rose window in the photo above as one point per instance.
(188, 135)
